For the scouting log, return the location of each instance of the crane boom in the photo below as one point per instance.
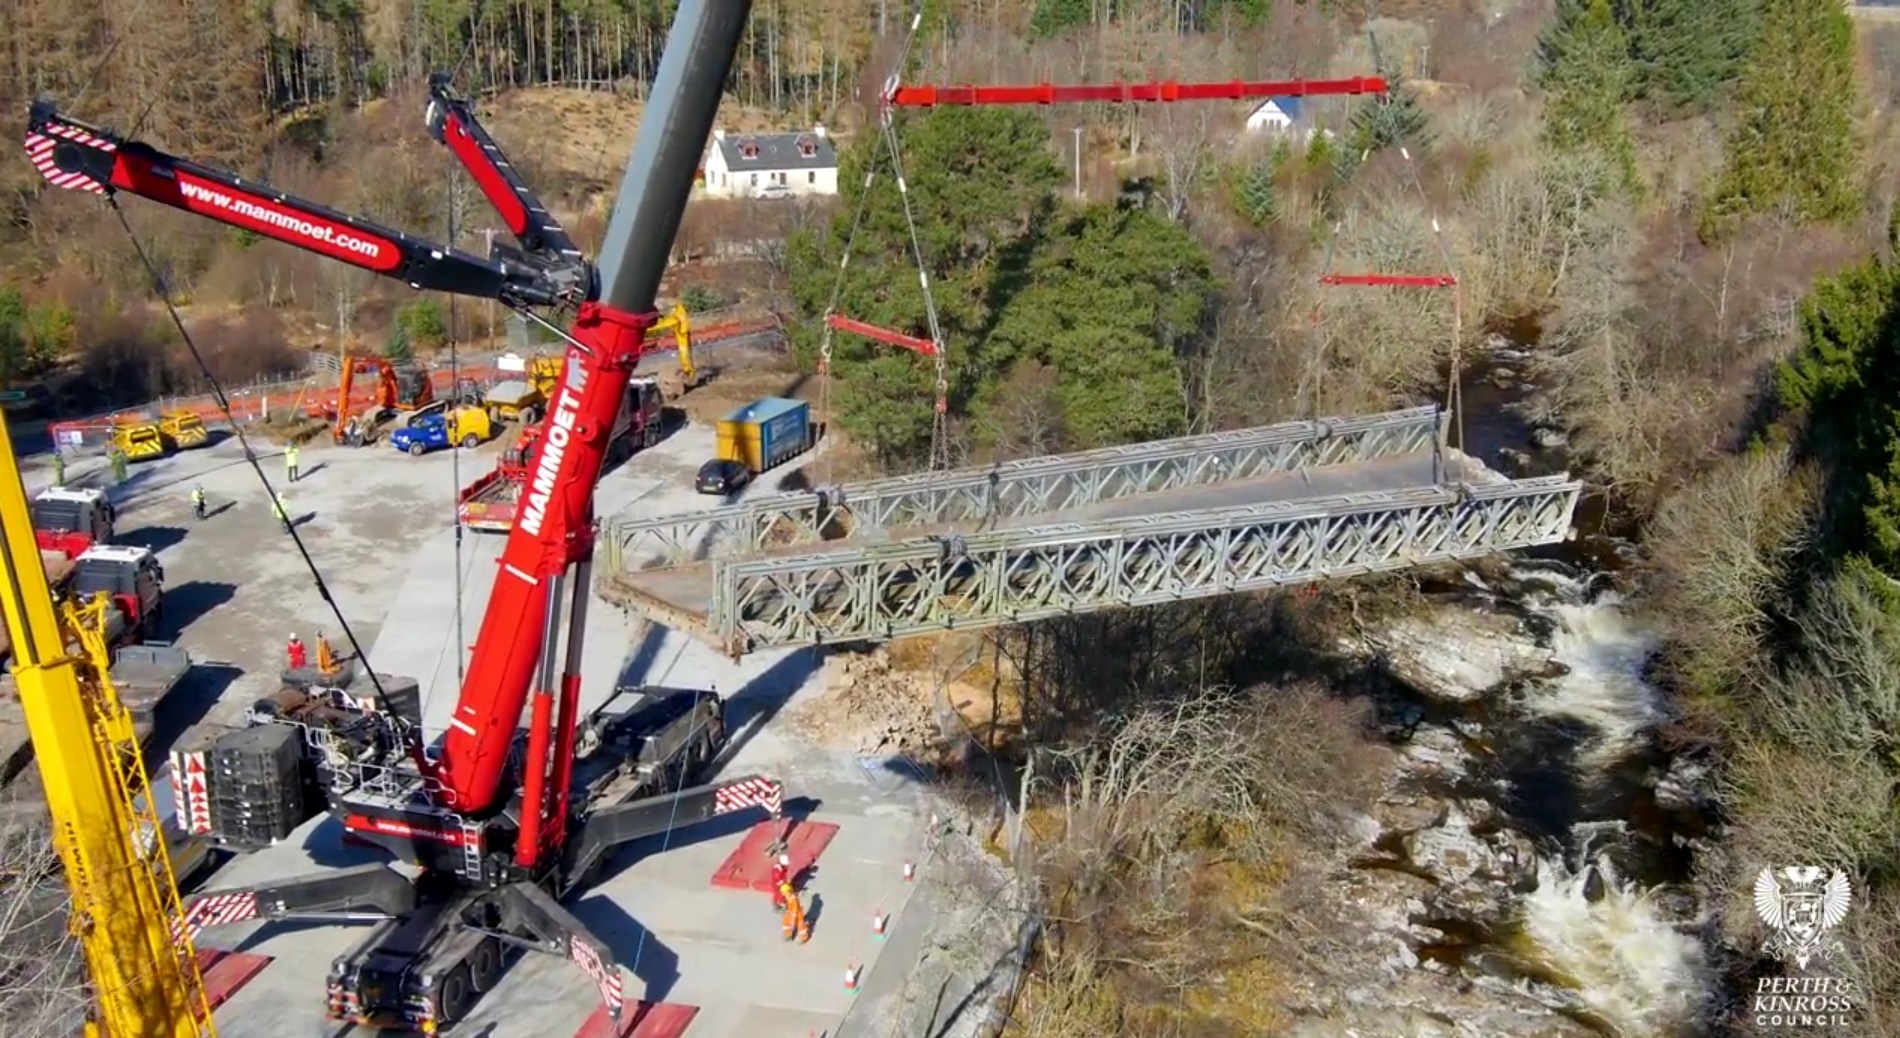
(81, 157)
(553, 527)
(125, 908)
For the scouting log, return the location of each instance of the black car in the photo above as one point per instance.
(721, 477)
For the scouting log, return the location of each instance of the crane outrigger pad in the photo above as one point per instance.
(641, 1020)
(750, 867)
(227, 971)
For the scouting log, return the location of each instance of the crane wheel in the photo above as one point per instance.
(417, 450)
(484, 964)
(457, 997)
(471, 441)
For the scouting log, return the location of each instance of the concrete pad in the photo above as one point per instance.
(750, 867)
(382, 535)
(226, 972)
(641, 1020)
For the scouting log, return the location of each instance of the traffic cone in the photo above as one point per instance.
(910, 871)
(877, 923)
(851, 972)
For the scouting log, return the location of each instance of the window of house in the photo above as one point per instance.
(811, 177)
(755, 180)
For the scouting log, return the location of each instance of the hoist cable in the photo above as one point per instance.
(164, 295)
(887, 129)
(851, 236)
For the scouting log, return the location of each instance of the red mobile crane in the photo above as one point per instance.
(500, 825)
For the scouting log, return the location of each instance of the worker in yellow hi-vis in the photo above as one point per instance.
(278, 505)
(290, 462)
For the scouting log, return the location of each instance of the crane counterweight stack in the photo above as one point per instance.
(501, 825)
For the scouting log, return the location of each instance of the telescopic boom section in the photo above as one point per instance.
(78, 157)
(1155, 91)
(553, 526)
(453, 122)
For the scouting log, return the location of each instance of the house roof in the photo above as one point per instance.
(804, 150)
(1288, 105)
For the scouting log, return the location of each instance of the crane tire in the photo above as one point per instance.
(484, 964)
(457, 997)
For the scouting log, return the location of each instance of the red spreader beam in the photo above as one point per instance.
(1161, 91)
(1399, 280)
(883, 335)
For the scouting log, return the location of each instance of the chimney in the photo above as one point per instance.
(819, 129)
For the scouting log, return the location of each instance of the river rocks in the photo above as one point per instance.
(1687, 786)
(1549, 439)
(1453, 654)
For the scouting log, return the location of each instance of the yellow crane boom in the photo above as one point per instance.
(125, 909)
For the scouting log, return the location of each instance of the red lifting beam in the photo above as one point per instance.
(883, 335)
(1400, 280)
(1163, 91)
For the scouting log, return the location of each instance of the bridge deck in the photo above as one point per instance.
(682, 595)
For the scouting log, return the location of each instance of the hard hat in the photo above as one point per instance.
(784, 888)
(293, 637)
(784, 859)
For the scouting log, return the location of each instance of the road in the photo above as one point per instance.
(378, 525)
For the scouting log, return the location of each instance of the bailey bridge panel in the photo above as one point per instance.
(968, 582)
(997, 496)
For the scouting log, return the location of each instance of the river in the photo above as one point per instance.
(1559, 745)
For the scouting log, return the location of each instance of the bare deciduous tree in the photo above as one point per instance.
(42, 973)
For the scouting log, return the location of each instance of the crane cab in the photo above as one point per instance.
(70, 520)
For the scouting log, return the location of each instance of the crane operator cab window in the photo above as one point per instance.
(410, 383)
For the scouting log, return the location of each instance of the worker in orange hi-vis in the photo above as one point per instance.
(781, 880)
(795, 923)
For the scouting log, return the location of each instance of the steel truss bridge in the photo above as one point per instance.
(1181, 519)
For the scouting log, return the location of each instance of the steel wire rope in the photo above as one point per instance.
(163, 292)
(851, 236)
(1454, 392)
(910, 39)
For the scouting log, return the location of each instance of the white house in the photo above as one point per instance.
(1280, 115)
(771, 165)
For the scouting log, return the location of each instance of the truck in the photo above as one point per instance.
(765, 433)
(515, 400)
(129, 577)
(489, 503)
(183, 430)
(68, 520)
(493, 824)
(440, 426)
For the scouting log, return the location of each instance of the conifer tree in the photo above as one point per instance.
(1686, 52)
(1794, 146)
(1588, 81)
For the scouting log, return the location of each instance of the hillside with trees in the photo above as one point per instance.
(1682, 209)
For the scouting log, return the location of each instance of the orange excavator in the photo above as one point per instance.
(397, 389)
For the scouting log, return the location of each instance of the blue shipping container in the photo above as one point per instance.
(783, 431)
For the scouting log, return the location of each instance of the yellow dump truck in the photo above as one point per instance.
(184, 429)
(140, 441)
(515, 400)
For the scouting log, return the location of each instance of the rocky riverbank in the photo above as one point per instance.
(1502, 882)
